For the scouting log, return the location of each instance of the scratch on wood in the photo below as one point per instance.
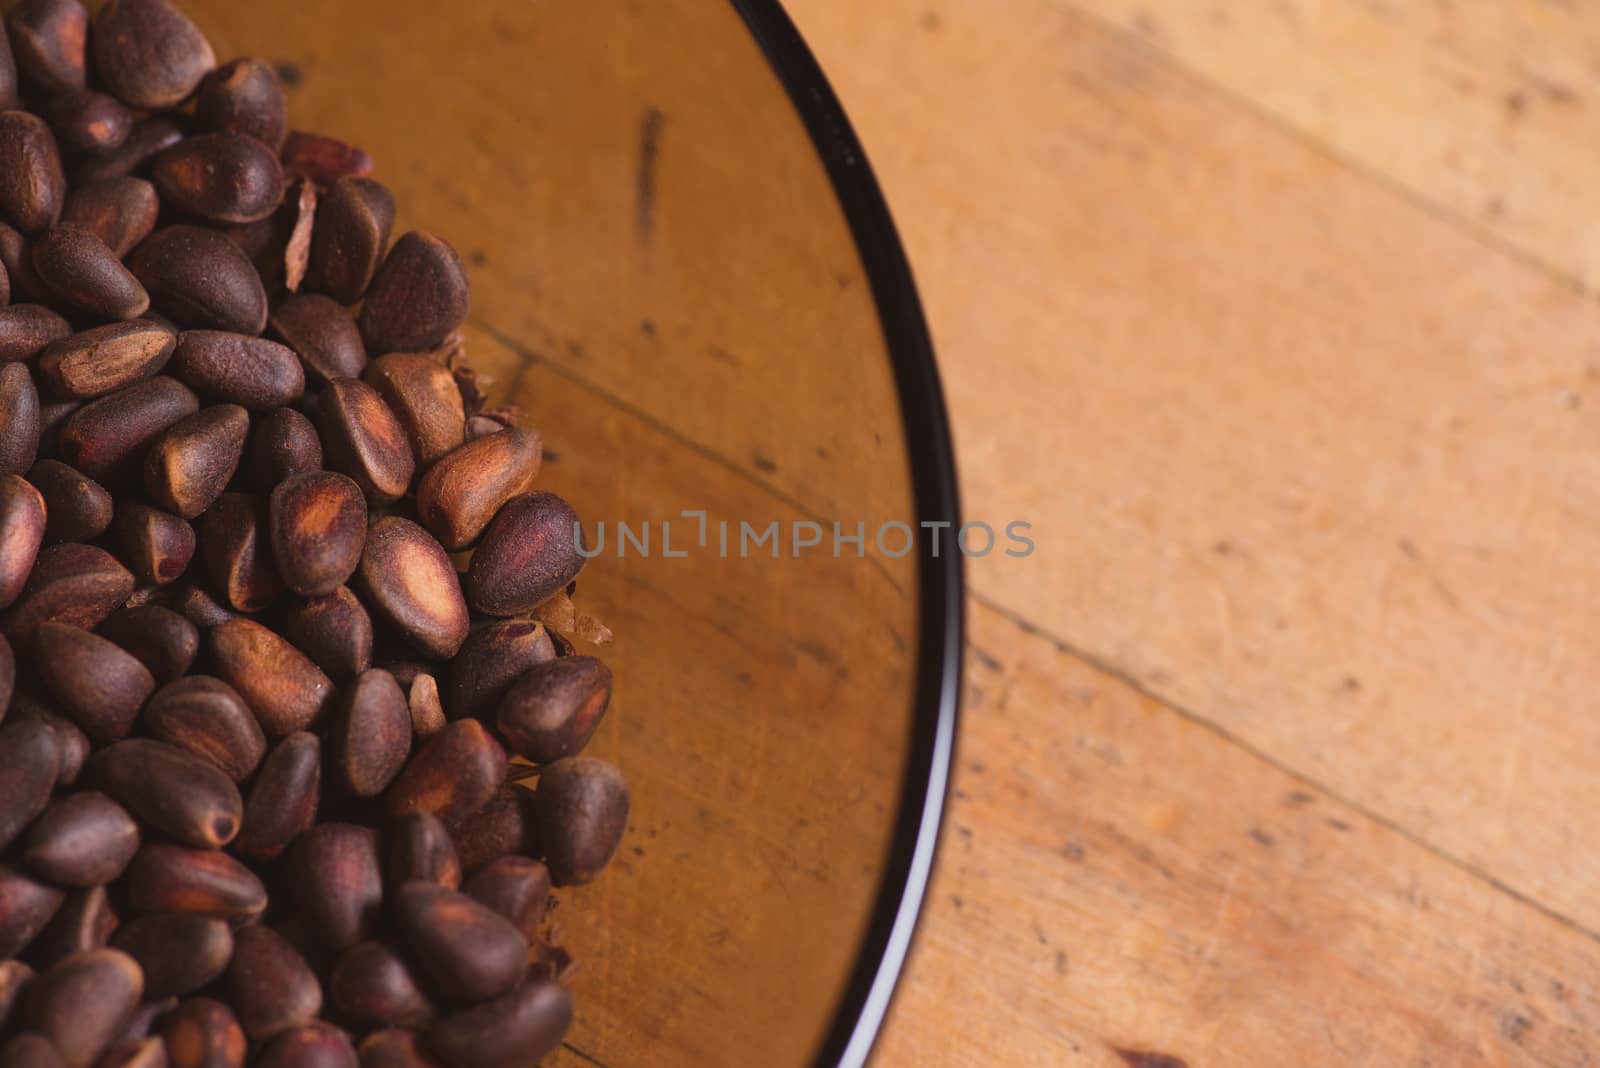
(1033, 630)
(576, 1052)
(645, 183)
(989, 661)
(1409, 550)
(1551, 90)
(1140, 1059)
(1515, 1027)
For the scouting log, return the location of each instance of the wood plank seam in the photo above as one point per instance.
(1111, 671)
(1407, 194)
(1404, 195)
(1095, 905)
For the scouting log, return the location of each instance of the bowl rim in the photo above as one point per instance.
(882, 956)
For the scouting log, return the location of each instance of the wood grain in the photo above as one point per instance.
(1118, 878)
(1303, 457)
(1485, 112)
(1278, 749)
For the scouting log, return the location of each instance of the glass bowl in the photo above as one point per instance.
(684, 272)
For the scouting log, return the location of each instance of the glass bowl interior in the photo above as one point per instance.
(665, 279)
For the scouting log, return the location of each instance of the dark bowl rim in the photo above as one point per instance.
(865, 1004)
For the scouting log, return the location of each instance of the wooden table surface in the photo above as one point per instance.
(1277, 320)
